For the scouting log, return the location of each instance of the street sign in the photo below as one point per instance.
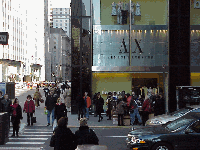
(3, 87)
(4, 38)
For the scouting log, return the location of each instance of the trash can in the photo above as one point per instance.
(4, 128)
(127, 120)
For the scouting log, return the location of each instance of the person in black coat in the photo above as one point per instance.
(99, 106)
(60, 110)
(58, 91)
(1, 98)
(81, 106)
(50, 106)
(85, 135)
(6, 106)
(16, 111)
(63, 138)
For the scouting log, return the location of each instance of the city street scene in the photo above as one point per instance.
(100, 75)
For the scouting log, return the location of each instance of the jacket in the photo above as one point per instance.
(64, 139)
(1, 105)
(120, 107)
(6, 105)
(50, 102)
(146, 106)
(88, 101)
(29, 106)
(60, 111)
(86, 136)
(18, 115)
(99, 105)
(37, 95)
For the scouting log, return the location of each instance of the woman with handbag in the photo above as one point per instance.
(60, 110)
(29, 108)
(16, 111)
(37, 97)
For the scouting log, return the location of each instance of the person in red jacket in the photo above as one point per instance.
(87, 101)
(29, 108)
(146, 110)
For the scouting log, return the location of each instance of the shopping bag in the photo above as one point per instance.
(34, 119)
(54, 124)
(45, 111)
(41, 100)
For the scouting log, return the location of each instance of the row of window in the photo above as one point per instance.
(61, 21)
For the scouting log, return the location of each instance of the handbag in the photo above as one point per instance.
(41, 100)
(34, 119)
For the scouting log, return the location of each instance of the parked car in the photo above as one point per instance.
(19, 85)
(180, 134)
(162, 119)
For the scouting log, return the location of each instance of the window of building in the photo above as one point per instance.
(56, 24)
(60, 12)
(65, 28)
(65, 24)
(66, 20)
(60, 20)
(60, 24)
(60, 9)
(56, 20)
(54, 47)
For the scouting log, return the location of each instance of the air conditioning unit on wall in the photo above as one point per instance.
(196, 4)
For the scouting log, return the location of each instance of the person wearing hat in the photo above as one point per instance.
(85, 135)
(109, 105)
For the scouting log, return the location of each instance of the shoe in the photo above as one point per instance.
(28, 124)
(98, 120)
(17, 135)
(87, 118)
(12, 135)
(31, 124)
(101, 118)
(109, 119)
(48, 124)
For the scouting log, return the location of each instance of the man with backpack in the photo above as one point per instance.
(134, 110)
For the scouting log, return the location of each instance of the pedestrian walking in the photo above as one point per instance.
(6, 103)
(109, 104)
(29, 108)
(146, 110)
(16, 116)
(50, 103)
(120, 111)
(94, 104)
(58, 91)
(1, 98)
(81, 106)
(46, 90)
(87, 99)
(37, 97)
(63, 138)
(99, 106)
(60, 110)
(134, 111)
(85, 135)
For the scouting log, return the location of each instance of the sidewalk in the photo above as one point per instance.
(41, 118)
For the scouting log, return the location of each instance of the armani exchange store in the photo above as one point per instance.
(130, 46)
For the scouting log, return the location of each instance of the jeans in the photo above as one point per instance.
(132, 116)
(29, 116)
(87, 113)
(48, 115)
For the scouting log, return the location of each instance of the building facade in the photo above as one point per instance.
(19, 56)
(131, 46)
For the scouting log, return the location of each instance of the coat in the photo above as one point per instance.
(120, 107)
(88, 101)
(6, 105)
(37, 95)
(99, 105)
(50, 102)
(146, 106)
(29, 106)
(1, 105)
(64, 139)
(80, 102)
(86, 136)
(18, 115)
(60, 111)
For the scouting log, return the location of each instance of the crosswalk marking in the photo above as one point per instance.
(38, 129)
(115, 136)
(25, 143)
(38, 132)
(21, 148)
(36, 135)
(28, 138)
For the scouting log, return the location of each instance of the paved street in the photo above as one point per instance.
(37, 137)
